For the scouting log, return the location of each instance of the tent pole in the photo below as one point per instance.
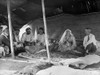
(45, 28)
(10, 28)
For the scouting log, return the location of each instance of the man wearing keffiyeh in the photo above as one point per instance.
(4, 39)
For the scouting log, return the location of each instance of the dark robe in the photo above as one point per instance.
(4, 40)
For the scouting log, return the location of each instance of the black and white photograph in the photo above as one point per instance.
(49, 37)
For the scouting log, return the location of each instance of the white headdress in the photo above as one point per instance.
(23, 30)
(64, 34)
(3, 27)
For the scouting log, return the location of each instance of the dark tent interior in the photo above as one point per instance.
(24, 11)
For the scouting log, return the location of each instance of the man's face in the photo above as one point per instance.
(28, 31)
(87, 31)
(17, 32)
(40, 31)
(67, 33)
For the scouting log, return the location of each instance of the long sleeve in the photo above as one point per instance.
(5, 41)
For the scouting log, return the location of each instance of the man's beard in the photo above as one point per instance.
(28, 33)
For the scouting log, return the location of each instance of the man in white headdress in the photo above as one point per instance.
(1, 45)
(5, 36)
(67, 41)
(4, 39)
(23, 30)
(27, 38)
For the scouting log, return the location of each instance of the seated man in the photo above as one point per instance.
(41, 36)
(40, 41)
(27, 39)
(89, 42)
(4, 40)
(67, 41)
(2, 52)
(18, 45)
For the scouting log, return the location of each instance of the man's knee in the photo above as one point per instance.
(91, 48)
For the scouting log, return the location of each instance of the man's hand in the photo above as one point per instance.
(15, 43)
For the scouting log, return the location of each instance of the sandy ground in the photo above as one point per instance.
(8, 66)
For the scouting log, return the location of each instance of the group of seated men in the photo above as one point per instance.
(31, 45)
(26, 44)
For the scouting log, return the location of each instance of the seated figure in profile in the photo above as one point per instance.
(4, 40)
(2, 51)
(67, 41)
(89, 42)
